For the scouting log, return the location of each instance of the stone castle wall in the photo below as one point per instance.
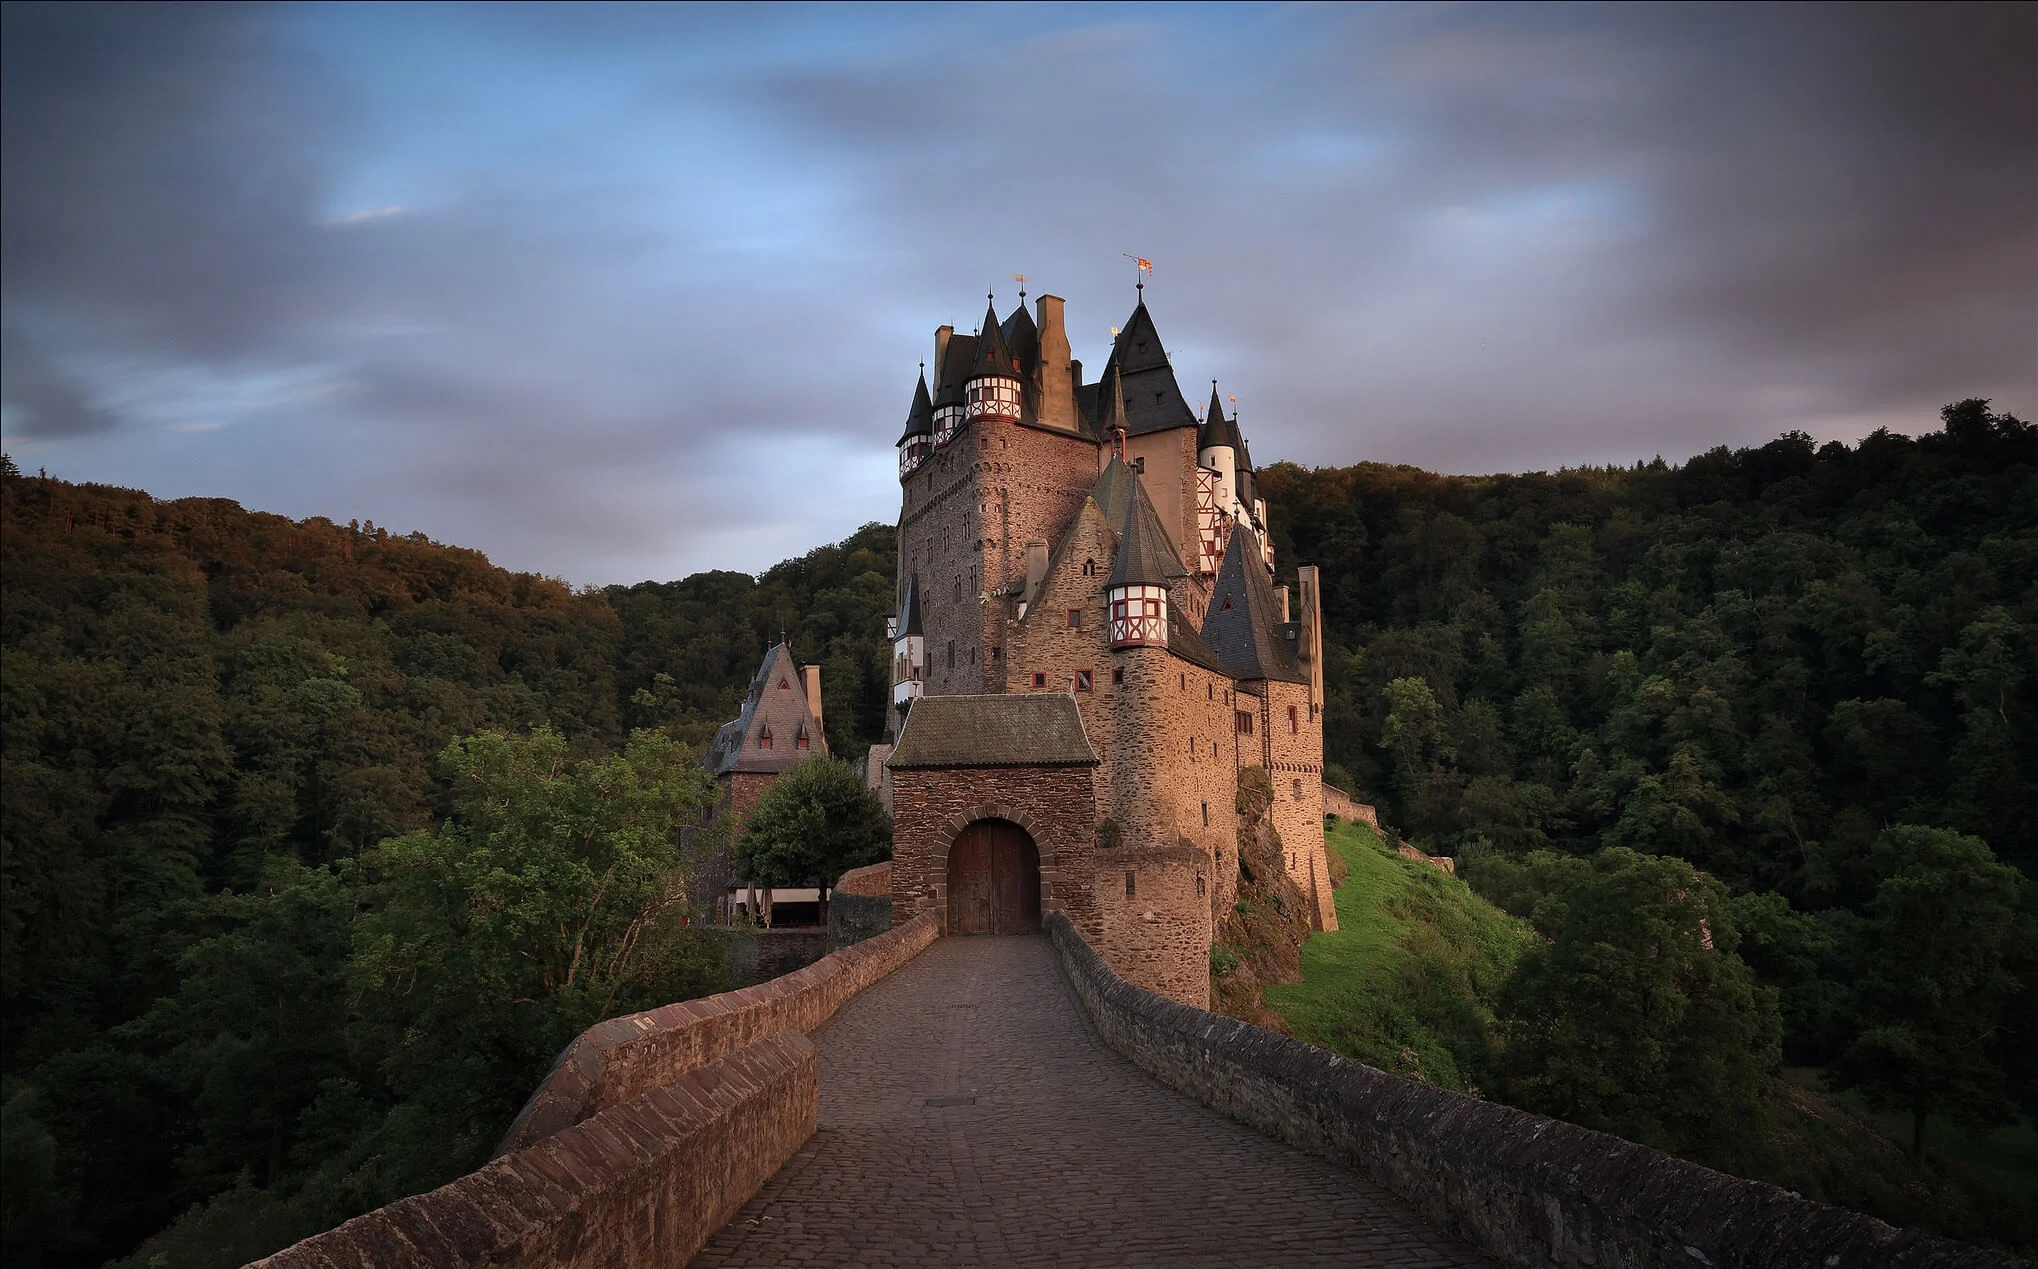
(1154, 902)
(1294, 761)
(1057, 806)
(1044, 643)
(964, 522)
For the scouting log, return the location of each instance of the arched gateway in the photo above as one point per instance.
(993, 880)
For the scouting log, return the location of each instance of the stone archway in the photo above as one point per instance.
(993, 880)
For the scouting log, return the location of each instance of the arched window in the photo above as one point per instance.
(1089, 568)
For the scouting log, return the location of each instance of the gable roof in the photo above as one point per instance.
(1022, 337)
(1243, 624)
(1032, 729)
(909, 608)
(777, 702)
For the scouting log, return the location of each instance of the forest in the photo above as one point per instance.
(290, 809)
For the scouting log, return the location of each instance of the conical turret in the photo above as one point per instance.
(918, 439)
(992, 391)
(1138, 587)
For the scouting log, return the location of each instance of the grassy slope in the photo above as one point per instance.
(1407, 982)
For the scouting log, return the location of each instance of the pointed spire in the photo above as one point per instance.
(994, 356)
(1137, 564)
(1112, 408)
(919, 419)
(909, 608)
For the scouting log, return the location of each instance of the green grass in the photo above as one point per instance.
(1407, 982)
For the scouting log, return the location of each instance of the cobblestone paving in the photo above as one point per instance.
(970, 1115)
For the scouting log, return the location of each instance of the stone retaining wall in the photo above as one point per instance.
(757, 956)
(614, 1061)
(642, 1184)
(852, 918)
(1529, 1190)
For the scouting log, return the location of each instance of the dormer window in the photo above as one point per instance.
(764, 737)
(800, 741)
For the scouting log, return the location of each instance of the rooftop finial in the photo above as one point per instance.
(1020, 278)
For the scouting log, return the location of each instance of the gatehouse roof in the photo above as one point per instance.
(1033, 729)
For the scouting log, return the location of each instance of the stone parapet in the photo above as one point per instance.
(615, 1061)
(644, 1183)
(1529, 1190)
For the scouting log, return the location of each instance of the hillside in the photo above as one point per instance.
(201, 705)
(1408, 981)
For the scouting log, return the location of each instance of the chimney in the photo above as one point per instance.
(941, 334)
(1281, 593)
(813, 675)
(1054, 397)
(1036, 569)
(1311, 642)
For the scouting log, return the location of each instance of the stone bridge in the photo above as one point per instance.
(917, 1100)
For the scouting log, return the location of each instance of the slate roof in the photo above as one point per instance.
(910, 606)
(1219, 432)
(1032, 729)
(777, 700)
(1152, 399)
(1022, 337)
(919, 419)
(1243, 624)
(1144, 556)
(993, 357)
(1113, 490)
(1185, 643)
(954, 368)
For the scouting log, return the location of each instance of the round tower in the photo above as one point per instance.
(992, 393)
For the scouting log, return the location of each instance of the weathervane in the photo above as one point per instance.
(1144, 265)
(1020, 278)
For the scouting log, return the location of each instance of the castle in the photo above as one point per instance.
(1089, 653)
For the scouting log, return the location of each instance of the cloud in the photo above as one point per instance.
(620, 292)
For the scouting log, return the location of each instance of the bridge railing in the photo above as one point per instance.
(650, 1134)
(1526, 1189)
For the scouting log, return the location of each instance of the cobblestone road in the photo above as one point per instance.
(971, 1116)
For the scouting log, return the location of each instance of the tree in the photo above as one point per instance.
(1935, 987)
(815, 822)
(1636, 1018)
(554, 897)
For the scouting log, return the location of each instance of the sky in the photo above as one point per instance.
(616, 294)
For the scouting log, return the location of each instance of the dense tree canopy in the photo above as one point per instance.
(814, 823)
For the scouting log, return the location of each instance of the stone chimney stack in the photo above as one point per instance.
(1036, 569)
(1310, 642)
(941, 334)
(813, 677)
(1053, 396)
(1281, 593)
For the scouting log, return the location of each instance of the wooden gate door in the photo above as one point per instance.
(993, 880)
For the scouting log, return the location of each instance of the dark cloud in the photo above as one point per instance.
(572, 285)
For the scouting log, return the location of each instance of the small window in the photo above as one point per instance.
(1184, 680)
(1089, 568)
(1294, 722)
(1206, 815)
(1213, 749)
(1199, 885)
(972, 654)
(1298, 790)
(801, 741)
(1117, 674)
(764, 738)
(1075, 619)
(1129, 886)
(1226, 605)
(1082, 680)
(951, 654)
(1210, 690)
(1245, 723)
(1039, 679)
(997, 654)
(783, 685)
